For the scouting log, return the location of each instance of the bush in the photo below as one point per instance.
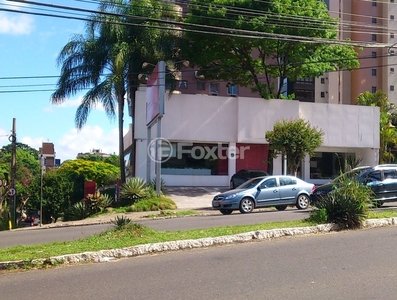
(121, 222)
(153, 204)
(319, 216)
(78, 211)
(134, 190)
(347, 205)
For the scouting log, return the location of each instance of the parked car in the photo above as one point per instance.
(244, 175)
(382, 179)
(278, 190)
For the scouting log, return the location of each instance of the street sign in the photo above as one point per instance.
(11, 192)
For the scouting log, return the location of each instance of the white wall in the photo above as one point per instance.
(202, 118)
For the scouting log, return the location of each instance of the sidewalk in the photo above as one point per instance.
(186, 198)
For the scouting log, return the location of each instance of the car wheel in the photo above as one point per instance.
(302, 202)
(226, 211)
(281, 207)
(246, 205)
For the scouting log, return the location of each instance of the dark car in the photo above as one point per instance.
(382, 179)
(244, 175)
(278, 191)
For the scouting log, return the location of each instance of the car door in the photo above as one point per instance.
(288, 189)
(390, 184)
(268, 193)
(374, 181)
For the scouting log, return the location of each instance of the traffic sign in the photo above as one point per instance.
(11, 192)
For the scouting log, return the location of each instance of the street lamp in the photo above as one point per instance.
(41, 188)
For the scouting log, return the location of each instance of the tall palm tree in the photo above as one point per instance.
(108, 58)
(388, 115)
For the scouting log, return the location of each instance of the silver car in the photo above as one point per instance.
(278, 190)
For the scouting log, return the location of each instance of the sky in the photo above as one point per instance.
(29, 46)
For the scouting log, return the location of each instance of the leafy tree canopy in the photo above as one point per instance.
(100, 172)
(295, 139)
(281, 39)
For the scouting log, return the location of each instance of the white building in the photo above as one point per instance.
(208, 138)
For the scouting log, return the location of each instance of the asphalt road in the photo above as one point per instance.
(32, 236)
(344, 265)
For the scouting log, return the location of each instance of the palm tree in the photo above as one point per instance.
(108, 58)
(388, 114)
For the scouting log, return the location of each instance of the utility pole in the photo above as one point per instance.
(13, 140)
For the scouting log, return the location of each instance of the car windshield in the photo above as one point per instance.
(250, 183)
(257, 174)
(353, 174)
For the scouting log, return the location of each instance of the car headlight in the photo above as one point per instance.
(231, 196)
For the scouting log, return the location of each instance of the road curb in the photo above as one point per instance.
(139, 250)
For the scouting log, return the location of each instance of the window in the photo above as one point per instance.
(391, 1)
(182, 84)
(323, 80)
(391, 17)
(374, 21)
(373, 3)
(322, 95)
(391, 52)
(392, 35)
(214, 88)
(232, 90)
(373, 89)
(373, 54)
(270, 183)
(328, 165)
(286, 181)
(390, 174)
(373, 72)
(373, 37)
(200, 85)
(391, 70)
(392, 88)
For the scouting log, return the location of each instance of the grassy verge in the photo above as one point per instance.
(136, 234)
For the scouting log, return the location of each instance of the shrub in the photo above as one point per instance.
(319, 216)
(78, 211)
(347, 205)
(121, 222)
(134, 190)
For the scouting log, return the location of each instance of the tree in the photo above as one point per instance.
(388, 115)
(78, 171)
(108, 59)
(295, 139)
(282, 39)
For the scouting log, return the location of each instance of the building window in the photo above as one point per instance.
(392, 35)
(391, 17)
(374, 20)
(391, 1)
(322, 95)
(373, 89)
(373, 72)
(322, 80)
(232, 90)
(391, 70)
(373, 37)
(214, 88)
(373, 3)
(374, 55)
(391, 52)
(182, 84)
(328, 165)
(392, 88)
(200, 85)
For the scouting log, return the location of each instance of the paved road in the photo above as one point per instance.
(345, 265)
(32, 236)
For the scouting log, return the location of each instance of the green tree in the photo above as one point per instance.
(108, 59)
(56, 195)
(295, 139)
(281, 39)
(78, 171)
(388, 115)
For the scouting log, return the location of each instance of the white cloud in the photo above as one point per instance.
(85, 140)
(15, 24)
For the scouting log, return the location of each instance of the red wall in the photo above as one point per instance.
(255, 157)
